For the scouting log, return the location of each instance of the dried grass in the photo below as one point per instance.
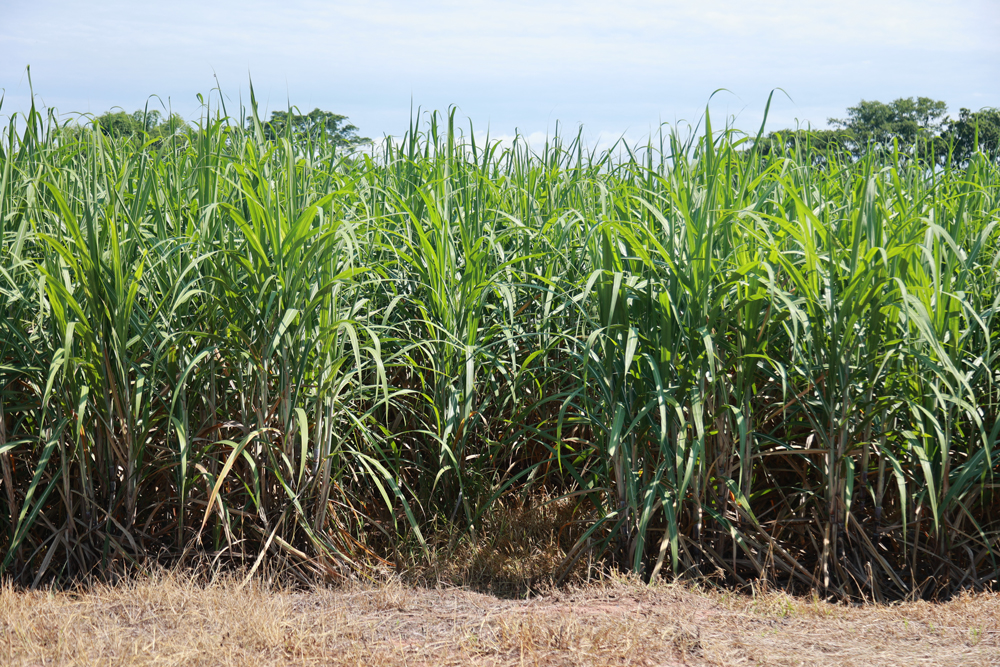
(173, 619)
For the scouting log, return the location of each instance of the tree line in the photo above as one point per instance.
(317, 126)
(144, 123)
(918, 127)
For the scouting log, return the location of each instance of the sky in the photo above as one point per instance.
(618, 68)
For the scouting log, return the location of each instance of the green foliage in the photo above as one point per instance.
(734, 357)
(918, 128)
(821, 144)
(905, 120)
(974, 131)
(151, 124)
(315, 127)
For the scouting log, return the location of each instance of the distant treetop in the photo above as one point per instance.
(906, 120)
(317, 126)
(919, 126)
(153, 124)
(975, 130)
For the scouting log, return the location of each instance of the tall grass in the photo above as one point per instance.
(736, 361)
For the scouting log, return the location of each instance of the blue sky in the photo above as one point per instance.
(619, 68)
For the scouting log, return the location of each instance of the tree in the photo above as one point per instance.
(149, 124)
(118, 124)
(918, 125)
(173, 124)
(317, 126)
(821, 142)
(974, 131)
(906, 120)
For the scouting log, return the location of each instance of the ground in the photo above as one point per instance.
(173, 620)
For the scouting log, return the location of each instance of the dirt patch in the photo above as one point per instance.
(172, 620)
